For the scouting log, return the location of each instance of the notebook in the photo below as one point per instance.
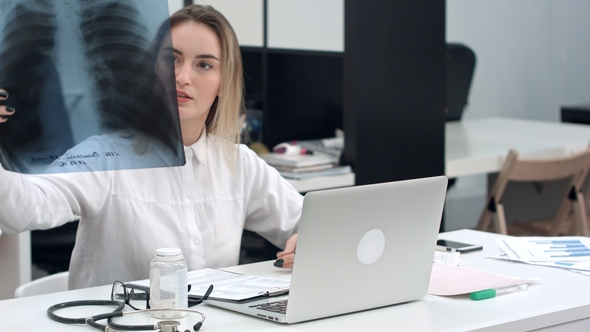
(359, 248)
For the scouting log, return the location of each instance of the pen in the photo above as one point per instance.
(489, 293)
(276, 291)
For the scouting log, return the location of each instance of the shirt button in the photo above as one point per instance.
(189, 195)
(196, 241)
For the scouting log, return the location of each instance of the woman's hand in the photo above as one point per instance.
(5, 111)
(286, 257)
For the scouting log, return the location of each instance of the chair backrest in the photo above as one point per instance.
(52, 283)
(531, 170)
(460, 68)
(574, 167)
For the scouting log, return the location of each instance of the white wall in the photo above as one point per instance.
(533, 56)
(174, 5)
(245, 16)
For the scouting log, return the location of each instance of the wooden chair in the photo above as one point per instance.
(538, 170)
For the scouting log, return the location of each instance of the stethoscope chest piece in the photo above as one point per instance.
(168, 326)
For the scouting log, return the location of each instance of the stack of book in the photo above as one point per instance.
(303, 166)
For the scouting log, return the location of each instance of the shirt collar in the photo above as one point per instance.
(199, 148)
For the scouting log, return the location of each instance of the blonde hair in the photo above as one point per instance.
(223, 118)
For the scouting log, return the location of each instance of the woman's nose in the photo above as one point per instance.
(183, 75)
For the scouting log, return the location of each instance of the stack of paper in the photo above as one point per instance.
(303, 166)
(569, 252)
(453, 276)
(448, 280)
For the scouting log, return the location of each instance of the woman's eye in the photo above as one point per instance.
(169, 58)
(204, 65)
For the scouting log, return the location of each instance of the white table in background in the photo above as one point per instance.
(480, 146)
(559, 302)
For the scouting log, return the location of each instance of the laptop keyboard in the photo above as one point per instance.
(279, 307)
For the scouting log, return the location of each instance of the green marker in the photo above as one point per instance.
(489, 293)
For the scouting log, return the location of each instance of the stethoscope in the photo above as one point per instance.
(162, 326)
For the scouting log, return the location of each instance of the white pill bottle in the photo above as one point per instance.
(168, 283)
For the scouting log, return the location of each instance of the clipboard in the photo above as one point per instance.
(229, 286)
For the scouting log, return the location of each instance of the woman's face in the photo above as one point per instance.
(196, 52)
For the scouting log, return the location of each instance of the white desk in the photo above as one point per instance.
(480, 146)
(561, 301)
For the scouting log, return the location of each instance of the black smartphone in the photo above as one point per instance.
(452, 246)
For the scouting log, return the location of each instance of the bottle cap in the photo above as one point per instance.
(168, 254)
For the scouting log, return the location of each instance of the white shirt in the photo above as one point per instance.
(201, 208)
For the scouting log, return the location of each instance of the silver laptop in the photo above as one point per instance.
(359, 248)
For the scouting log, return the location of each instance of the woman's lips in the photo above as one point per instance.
(182, 96)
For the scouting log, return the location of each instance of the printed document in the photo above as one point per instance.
(234, 286)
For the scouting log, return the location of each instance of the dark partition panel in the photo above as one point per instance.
(304, 96)
(394, 89)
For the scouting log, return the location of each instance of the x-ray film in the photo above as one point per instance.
(91, 91)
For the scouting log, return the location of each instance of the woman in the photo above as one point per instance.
(201, 207)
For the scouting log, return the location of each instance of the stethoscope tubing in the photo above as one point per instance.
(118, 312)
(141, 327)
(51, 310)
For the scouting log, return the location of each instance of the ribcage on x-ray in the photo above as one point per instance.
(28, 37)
(27, 71)
(123, 69)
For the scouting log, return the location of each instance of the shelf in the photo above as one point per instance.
(323, 182)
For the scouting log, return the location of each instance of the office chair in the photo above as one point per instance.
(460, 65)
(515, 168)
(49, 284)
